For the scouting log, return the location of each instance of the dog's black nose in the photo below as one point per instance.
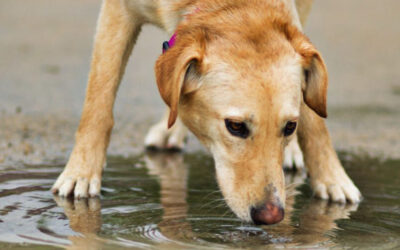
(267, 214)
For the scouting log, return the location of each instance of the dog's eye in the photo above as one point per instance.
(237, 128)
(289, 128)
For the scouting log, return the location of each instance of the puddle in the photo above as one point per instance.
(172, 200)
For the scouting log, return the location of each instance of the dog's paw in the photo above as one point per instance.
(337, 187)
(293, 157)
(77, 185)
(160, 137)
(78, 180)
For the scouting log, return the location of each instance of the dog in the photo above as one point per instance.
(241, 76)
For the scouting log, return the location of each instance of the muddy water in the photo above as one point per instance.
(172, 200)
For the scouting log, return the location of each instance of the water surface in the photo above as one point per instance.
(172, 200)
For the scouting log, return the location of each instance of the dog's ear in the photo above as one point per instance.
(315, 83)
(174, 74)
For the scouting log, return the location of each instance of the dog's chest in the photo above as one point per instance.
(163, 13)
(146, 9)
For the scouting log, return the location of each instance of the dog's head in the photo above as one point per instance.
(237, 81)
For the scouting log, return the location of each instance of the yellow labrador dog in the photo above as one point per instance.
(241, 75)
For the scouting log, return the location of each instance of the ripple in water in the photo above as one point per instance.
(172, 200)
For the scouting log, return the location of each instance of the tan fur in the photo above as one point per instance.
(242, 60)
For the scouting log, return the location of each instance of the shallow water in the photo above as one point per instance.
(172, 200)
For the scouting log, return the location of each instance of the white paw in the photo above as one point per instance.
(293, 157)
(337, 188)
(78, 180)
(74, 184)
(159, 136)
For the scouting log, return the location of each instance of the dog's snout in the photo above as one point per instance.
(267, 214)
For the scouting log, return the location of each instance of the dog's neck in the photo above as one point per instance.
(191, 10)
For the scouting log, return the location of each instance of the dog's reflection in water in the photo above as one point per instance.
(173, 175)
(314, 223)
(84, 217)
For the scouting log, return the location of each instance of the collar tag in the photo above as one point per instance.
(169, 44)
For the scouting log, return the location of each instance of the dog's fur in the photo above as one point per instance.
(242, 60)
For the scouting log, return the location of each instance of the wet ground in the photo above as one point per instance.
(172, 200)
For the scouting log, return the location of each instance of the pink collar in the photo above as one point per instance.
(170, 43)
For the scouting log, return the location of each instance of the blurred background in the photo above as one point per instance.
(45, 49)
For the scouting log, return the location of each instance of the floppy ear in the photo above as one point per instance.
(316, 84)
(315, 75)
(172, 70)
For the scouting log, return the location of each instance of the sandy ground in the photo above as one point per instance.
(45, 48)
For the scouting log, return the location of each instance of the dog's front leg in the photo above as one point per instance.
(328, 178)
(116, 33)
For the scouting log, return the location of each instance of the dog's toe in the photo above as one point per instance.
(56, 186)
(353, 195)
(336, 194)
(66, 187)
(293, 157)
(320, 191)
(95, 186)
(81, 188)
(288, 159)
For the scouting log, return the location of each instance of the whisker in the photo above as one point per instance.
(211, 202)
(221, 205)
(211, 193)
